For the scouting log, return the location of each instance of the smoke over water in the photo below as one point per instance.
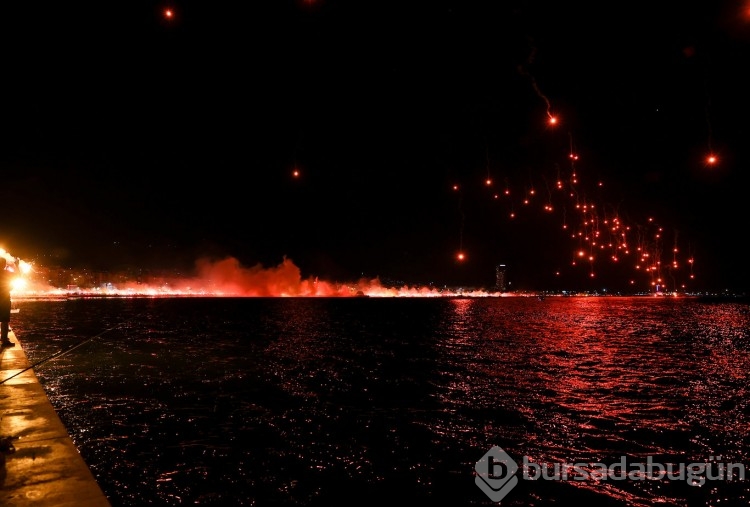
(228, 278)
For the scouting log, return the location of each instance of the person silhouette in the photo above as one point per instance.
(5, 281)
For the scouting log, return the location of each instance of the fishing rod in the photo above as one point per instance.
(64, 351)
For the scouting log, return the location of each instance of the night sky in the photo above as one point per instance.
(131, 139)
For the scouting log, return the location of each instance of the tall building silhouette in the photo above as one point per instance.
(500, 282)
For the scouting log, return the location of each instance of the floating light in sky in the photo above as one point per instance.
(711, 159)
(168, 13)
(461, 256)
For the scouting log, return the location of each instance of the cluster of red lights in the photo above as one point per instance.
(600, 235)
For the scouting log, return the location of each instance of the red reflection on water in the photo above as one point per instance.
(568, 380)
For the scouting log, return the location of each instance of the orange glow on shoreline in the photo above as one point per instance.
(228, 278)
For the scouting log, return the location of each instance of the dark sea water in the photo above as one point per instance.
(368, 401)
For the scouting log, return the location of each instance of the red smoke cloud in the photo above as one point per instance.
(229, 278)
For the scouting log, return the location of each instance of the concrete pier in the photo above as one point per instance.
(39, 464)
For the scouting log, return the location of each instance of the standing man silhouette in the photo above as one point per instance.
(5, 280)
